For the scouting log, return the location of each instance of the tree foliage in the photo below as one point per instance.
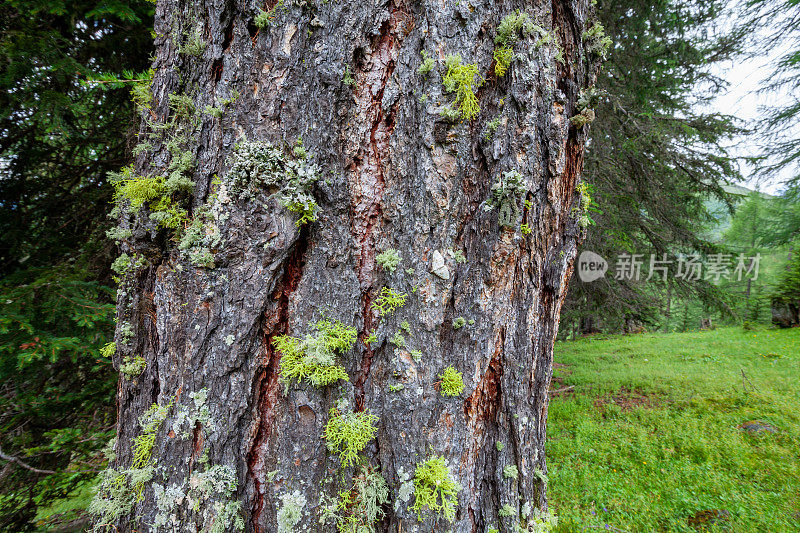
(655, 156)
(59, 137)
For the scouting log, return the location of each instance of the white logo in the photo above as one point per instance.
(591, 267)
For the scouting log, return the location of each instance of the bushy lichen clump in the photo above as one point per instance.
(347, 433)
(506, 194)
(452, 383)
(463, 79)
(388, 259)
(156, 193)
(596, 41)
(435, 490)
(313, 358)
(508, 33)
(133, 366)
(511, 472)
(120, 489)
(427, 64)
(357, 508)
(388, 301)
(257, 167)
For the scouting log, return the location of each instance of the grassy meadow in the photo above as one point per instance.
(646, 432)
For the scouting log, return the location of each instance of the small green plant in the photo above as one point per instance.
(499, 445)
(396, 388)
(405, 326)
(427, 64)
(348, 433)
(371, 338)
(132, 367)
(506, 194)
(388, 259)
(388, 301)
(435, 490)
(526, 229)
(452, 383)
(459, 322)
(416, 355)
(511, 472)
(463, 79)
(313, 358)
(266, 18)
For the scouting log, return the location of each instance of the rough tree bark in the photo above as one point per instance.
(395, 175)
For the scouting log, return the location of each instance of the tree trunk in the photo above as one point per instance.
(343, 77)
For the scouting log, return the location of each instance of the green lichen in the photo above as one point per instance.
(596, 41)
(525, 229)
(585, 117)
(511, 472)
(435, 490)
(120, 489)
(313, 358)
(463, 79)
(427, 64)
(347, 433)
(388, 301)
(508, 33)
(499, 445)
(358, 508)
(450, 114)
(398, 340)
(452, 383)
(459, 322)
(506, 511)
(132, 367)
(396, 388)
(156, 193)
(388, 259)
(503, 57)
(506, 194)
(108, 350)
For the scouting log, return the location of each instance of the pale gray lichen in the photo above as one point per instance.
(507, 192)
(258, 167)
(291, 511)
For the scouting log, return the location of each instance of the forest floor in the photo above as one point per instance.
(677, 432)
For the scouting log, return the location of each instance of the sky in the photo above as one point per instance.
(743, 100)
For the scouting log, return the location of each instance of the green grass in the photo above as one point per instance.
(649, 436)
